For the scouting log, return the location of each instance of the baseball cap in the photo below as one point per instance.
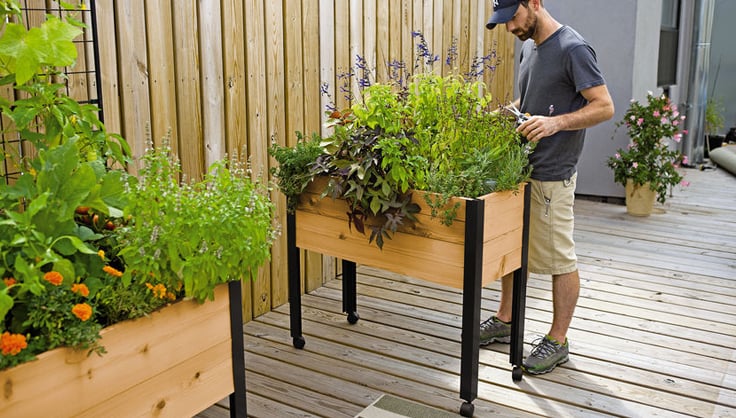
(503, 11)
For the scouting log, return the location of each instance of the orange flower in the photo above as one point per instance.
(159, 290)
(112, 271)
(54, 277)
(9, 281)
(80, 289)
(82, 311)
(12, 344)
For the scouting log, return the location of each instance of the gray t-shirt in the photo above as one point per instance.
(551, 76)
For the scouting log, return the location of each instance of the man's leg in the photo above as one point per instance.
(565, 291)
(507, 291)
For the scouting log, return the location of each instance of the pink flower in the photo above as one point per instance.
(684, 183)
(656, 113)
(684, 159)
(618, 156)
(640, 121)
(677, 137)
(635, 164)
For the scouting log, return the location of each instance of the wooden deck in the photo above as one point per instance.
(654, 332)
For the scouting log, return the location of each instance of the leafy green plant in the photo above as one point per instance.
(193, 236)
(69, 220)
(293, 171)
(421, 131)
(713, 116)
(649, 158)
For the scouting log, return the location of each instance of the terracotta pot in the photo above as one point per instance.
(639, 198)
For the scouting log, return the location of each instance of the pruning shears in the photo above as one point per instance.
(520, 117)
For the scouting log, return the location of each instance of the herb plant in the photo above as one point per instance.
(418, 131)
(193, 236)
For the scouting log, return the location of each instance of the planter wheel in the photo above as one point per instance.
(517, 374)
(467, 409)
(353, 317)
(299, 342)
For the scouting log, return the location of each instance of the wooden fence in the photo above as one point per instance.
(231, 76)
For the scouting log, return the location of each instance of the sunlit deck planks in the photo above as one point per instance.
(654, 333)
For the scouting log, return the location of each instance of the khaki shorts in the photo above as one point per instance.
(551, 224)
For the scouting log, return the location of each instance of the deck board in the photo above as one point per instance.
(654, 333)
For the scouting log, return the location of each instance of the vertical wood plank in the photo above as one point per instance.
(383, 40)
(356, 43)
(213, 107)
(343, 61)
(233, 49)
(161, 70)
(109, 58)
(133, 67)
(370, 45)
(188, 92)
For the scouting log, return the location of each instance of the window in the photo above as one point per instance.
(669, 34)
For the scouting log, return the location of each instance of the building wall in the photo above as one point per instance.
(625, 36)
(723, 61)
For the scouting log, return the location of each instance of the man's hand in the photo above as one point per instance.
(538, 127)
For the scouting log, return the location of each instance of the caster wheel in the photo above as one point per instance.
(353, 317)
(517, 374)
(467, 409)
(299, 342)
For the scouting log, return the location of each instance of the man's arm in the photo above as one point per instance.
(599, 109)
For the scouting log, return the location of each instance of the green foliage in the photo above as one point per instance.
(421, 132)
(293, 171)
(195, 235)
(713, 116)
(649, 158)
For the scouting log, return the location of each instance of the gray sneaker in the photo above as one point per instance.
(494, 330)
(546, 355)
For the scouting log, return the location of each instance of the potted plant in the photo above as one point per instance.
(418, 132)
(88, 323)
(649, 166)
(713, 122)
(415, 164)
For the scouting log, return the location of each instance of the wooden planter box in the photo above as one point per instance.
(487, 240)
(176, 362)
(426, 249)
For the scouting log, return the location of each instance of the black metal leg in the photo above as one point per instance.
(238, 408)
(349, 291)
(518, 305)
(295, 296)
(472, 288)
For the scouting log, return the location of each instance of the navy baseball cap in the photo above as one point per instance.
(503, 11)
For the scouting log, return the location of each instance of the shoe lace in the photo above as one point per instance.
(543, 348)
(487, 323)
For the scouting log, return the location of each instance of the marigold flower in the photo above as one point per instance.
(82, 311)
(80, 289)
(112, 271)
(159, 290)
(101, 253)
(9, 281)
(12, 344)
(54, 277)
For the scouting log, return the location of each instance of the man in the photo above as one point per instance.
(563, 89)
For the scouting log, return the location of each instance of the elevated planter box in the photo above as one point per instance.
(176, 362)
(487, 240)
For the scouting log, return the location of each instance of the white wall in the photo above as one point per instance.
(625, 36)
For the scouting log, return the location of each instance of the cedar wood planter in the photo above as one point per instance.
(487, 240)
(176, 362)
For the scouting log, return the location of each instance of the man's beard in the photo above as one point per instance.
(531, 29)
